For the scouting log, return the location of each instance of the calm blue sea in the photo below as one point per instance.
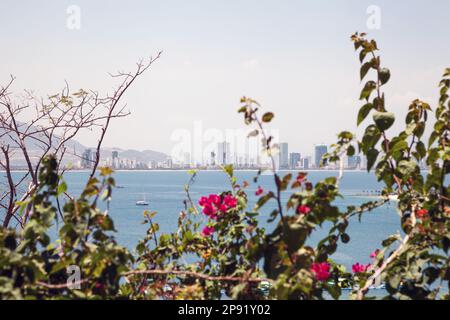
(164, 191)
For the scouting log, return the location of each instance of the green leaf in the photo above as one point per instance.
(447, 72)
(385, 75)
(372, 156)
(399, 145)
(383, 120)
(62, 188)
(364, 69)
(362, 55)
(364, 112)
(407, 167)
(228, 169)
(421, 150)
(367, 90)
(371, 137)
(267, 117)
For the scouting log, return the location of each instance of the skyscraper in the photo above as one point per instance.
(294, 159)
(86, 158)
(223, 153)
(284, 156)
(353, 162)
(115, 159)
(305, 162)
(319, 151)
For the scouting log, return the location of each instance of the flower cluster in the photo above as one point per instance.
(360, 268)
(213, 205)
(321, 270)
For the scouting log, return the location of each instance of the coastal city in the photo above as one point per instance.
(223, 155)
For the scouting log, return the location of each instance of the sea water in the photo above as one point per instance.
(165, 192)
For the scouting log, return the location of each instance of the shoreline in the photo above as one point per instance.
(203, 170)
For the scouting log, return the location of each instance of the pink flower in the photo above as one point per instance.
(301, 177)
(359, 268)
(203, 201)
(208, 231)
(259, 191)
(321, 270)
(223, 208)
(214, 198)
(303, 209)
(375, 253)
(209, 210)
(230, 201)
(422, 213)
(214, 204)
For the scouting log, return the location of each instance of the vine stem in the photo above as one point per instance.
(392, 257)
(274, 169)
(372, 278)
(386, 143)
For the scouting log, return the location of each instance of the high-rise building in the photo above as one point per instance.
(86, 159)
(284, 156)
(305, 163)
(223, 153)
(115, 159)
(319, 151)
(294, 160)
(187, 159)
(353, 162)
(213, 158)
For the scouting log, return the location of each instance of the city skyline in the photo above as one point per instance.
(223, 155)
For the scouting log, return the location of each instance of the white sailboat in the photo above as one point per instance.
(142, 202)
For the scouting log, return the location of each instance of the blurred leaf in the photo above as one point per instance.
(384, 120)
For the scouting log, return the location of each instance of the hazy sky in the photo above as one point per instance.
(294, 57)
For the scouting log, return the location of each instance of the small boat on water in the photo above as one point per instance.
(142, 202)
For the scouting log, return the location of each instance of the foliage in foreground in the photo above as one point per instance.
(219, 249)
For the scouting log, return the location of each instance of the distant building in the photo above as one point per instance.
(86, 159)
(319, 151)
(115, 159)
(223, 153)
(294, 160)
(152, 164)
(305, 163)
(187, 159)
(353, 162)
(213, 158)
(284, 156)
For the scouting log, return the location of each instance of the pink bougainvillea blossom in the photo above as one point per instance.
(321, 271)
(230, 201)
(259, 191)
(360, 268)
(215, 204)
(208, 231)
(375, 253)
(422, 213)
(303, 209)
(214, 199)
